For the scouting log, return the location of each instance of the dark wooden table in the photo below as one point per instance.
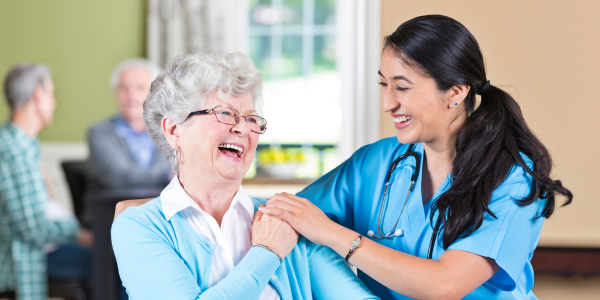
(566, 261)
(102, 209)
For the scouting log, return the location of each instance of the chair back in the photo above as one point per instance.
(8, 295)
(75, 171)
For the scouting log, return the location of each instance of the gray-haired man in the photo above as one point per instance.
(122, 155)
(26, 225)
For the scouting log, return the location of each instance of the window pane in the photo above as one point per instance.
(291, 12)
(324, 54)
(290, 64)
(270, 12)
(303, 109)
(254, 3)
(260, 52)
(302, 87)
(261, 12)
(325, 12)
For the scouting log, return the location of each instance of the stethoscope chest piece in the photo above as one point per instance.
(398, 232)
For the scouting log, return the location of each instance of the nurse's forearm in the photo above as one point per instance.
(453, 276)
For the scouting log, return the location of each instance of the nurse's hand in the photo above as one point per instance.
(123, 205)
(309, 220)
(274, 233)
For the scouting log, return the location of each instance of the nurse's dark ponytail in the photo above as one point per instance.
(494, 134)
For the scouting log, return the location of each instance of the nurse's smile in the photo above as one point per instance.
(401, 121)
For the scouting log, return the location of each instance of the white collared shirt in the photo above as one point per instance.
(232, 240)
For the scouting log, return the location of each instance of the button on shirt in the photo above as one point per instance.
(232, 240)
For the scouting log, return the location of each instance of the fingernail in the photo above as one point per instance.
(262, 208)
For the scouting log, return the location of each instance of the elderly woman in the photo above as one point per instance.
(201, 237)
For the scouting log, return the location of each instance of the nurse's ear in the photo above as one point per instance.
(456, 94)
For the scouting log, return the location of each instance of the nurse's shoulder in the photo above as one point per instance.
(517, 186)
(382, 150)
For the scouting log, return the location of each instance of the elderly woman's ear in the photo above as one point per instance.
(171, 131)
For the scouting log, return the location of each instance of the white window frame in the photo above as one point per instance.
(359, 51)
(360, 55)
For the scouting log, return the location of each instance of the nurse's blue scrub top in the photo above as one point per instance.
(352, 193)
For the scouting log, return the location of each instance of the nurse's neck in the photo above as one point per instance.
(437, 164)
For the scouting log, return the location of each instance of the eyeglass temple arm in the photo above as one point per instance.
(201, 112)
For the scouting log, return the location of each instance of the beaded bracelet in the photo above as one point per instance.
(267, 248)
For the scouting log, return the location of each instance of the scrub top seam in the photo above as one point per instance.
(511, 211)
(493, 249)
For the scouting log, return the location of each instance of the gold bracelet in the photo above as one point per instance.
(267, 248)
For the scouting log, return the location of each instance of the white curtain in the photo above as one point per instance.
(178, 27)
(359, 58)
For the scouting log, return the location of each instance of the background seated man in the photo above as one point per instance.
(29, 220)
(122, 155)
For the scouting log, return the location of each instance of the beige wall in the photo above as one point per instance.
(547, 55)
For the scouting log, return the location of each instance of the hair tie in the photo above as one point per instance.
(484, 87)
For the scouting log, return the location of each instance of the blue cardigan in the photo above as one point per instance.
(160, 259)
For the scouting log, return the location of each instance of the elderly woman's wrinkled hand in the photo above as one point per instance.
(305, 217)
(274, 233)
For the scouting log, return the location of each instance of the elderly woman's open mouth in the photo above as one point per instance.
(232, 149)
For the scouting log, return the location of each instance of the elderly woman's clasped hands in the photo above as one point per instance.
(301, 214)
(272, 231)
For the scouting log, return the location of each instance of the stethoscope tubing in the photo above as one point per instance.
(413, 179)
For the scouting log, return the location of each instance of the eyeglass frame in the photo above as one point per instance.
(237, 120)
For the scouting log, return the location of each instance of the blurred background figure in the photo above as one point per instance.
(122, 155)
(30, 218)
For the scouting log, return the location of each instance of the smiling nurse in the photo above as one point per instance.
(482, 168)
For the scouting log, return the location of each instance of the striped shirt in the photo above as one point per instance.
(24, 226)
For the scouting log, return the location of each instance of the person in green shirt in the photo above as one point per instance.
(26, 223)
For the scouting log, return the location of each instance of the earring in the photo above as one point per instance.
(178, 155)
(456, 104)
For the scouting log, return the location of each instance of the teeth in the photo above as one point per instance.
(230, 146)
(402, 119)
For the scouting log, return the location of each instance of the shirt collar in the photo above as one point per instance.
(175, 199)
(22, 139)
(123, 128)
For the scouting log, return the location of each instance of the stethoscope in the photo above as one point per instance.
(399, 232)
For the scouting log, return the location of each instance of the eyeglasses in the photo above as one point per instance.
(230, 116)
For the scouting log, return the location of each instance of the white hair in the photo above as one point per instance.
(21, 82)
(132, 63)
(185, 84)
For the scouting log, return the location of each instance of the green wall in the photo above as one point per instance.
(81, 40)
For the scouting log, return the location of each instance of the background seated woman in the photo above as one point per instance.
(198, 239)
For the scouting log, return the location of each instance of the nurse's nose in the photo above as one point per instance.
(389, 103)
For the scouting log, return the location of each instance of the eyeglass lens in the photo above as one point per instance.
(229, 116)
